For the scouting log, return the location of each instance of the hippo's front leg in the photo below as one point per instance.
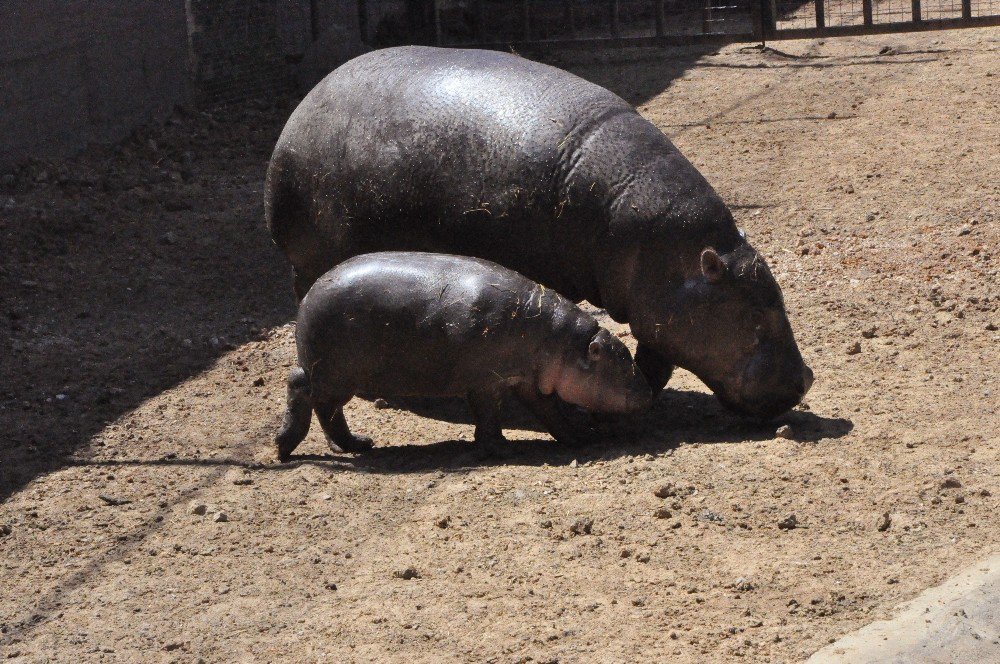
(654, 367)
(485, 405)
(546, 409)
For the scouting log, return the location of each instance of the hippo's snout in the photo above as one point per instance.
(807, 380)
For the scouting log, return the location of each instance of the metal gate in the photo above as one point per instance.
(592, 23)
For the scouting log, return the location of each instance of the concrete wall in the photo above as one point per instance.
(77, 71)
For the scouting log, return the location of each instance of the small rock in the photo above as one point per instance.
(330, 586)
(5, 530)
(959, 499)
(790, 522)
(665, 491)
(832, 115)
(547, 523)
(711, 517)
(662, 513)
(114, 501)
(985, 493)
(964, 230)
(221, 517)
(991, 327)
(951, 483)
(869, 332)
(199, 509)
(381, 403)
(259, 382)
(582, 526)
(883, 522)
(573, 464)
(168, 238)
(407, 574)
(854, 348)
(243, 481)
(743, 586)
(784, 432)
(443, 522)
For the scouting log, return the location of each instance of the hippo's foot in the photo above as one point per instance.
(654, 367)
(297, 415)
(353, 444)
(493, 446)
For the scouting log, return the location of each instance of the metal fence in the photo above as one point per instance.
(538, 23)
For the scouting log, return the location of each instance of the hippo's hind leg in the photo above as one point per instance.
(297, 415)
(330, 413)
(654, 367)
(485, 405)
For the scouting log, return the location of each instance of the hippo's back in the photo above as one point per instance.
(442, 150)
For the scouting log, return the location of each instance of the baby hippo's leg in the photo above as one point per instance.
(297, 415)
(485, 405)
(547, 409)
(330, 414)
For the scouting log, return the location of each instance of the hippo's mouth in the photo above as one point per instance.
(765, 406)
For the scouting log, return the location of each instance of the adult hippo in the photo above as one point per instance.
(487, 154)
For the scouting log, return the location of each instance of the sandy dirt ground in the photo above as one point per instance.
(146, 338)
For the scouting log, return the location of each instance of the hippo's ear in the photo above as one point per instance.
(712, 266)
(594, 350)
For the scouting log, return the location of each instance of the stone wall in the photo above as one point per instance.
(80, 71)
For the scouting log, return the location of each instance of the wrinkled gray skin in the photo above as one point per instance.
(486, 154)
(416, 324)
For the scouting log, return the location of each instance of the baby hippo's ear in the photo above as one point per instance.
(594, 351)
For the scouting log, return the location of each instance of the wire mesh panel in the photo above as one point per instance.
(983, 8)
(499, 21)
(586, 22)
(795, 14)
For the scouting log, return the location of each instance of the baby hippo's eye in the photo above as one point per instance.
(757, 320)
(594, 351)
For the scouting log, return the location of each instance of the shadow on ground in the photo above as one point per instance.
(127, 271)
(678, 418)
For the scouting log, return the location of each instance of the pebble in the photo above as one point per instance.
(381, 403)
(665, 491)
(199, 509)
(5, 530)
(951, 483)
(582, 526)
(221, 517)
(854, 348)
(662, 513)
(443, 522)
(406, 574)
(168, 238)
(869, 332)
(788, 523)
(964, 230)
(883, 522)
(784, 431)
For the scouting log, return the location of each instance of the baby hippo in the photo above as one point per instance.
(399, 324)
